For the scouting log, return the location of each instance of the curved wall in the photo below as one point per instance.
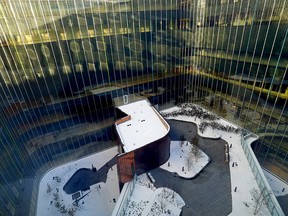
(143, 159)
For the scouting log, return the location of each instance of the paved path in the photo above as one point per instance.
(210, 192)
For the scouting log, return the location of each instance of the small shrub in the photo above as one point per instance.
(56, 196)
(49, 189)
(63, 209)
(57, 204)
(71, 211)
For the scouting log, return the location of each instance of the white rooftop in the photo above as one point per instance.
(145, 126)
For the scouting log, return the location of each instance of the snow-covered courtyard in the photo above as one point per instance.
(243, 181)
(147, 200)
(100, 198)
(186, 160)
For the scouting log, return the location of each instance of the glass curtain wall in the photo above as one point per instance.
(240, 70)
(63, 64)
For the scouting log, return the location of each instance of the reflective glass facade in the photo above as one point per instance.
(64, 63)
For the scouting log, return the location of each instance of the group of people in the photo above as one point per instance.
(192, 110)
(218, 126)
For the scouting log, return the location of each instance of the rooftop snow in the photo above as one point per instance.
(144, 127)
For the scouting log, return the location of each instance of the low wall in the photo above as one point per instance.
(122, 120)
(247, 139)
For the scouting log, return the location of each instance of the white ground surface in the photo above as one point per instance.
(140, 130)
(181, 155)
(144, 197)
(241, 175)
(146, 200)
(279, 187)
(97, 200)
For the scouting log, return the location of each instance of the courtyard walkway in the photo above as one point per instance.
(210, 192)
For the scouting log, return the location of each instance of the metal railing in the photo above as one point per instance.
(124, 198)
(264, 187)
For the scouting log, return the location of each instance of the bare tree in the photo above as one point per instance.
(196, 153)
(259, 199)
(195, 141)
(56, 196)
(173, 195)
(63, 209)
(71, 211)
(49, 189)
(57, 179)
(182, 140)
(188, 159)
(162, 200)
(57, 204)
